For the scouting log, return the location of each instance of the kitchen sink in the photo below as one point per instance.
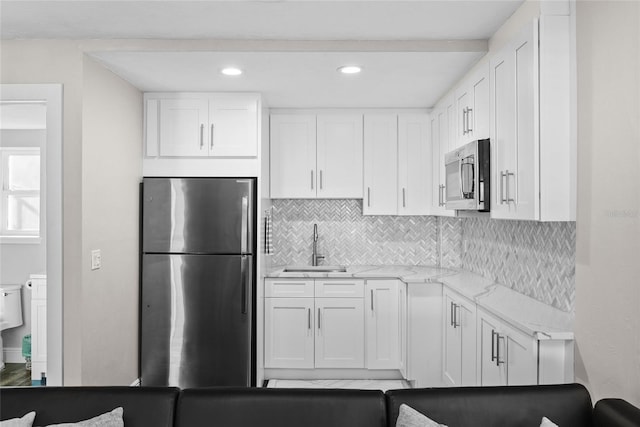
(316, 269)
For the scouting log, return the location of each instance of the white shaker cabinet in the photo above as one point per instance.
(289, 333)
(472, 108)
(383, 324)
(316, 156)
(533, 169)
(459, 346)
(339, 333)
(506, 356)
(442, 133)
(293, 156)
(413, 161)
(201, 124)
(380, 164)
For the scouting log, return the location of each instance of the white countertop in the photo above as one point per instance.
(525, 313)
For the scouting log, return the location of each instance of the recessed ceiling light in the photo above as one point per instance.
(350, 69)
(231, 71)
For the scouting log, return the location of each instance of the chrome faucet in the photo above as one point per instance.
(314, 256)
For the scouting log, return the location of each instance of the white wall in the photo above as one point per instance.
(111, 173)
(608, 222)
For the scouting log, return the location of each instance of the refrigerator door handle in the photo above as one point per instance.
(244, 232)
(246, 279)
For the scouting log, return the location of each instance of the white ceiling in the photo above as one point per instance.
(434, 43)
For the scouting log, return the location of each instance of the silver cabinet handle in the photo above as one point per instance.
(464, 121)
(502, 199)
(318, 319)
(493, 345)
(201, 135)
(321, 179)
(456, 312)
(507, 175)
(308, 318)
(439, 195)
(312, 179)
(469, 128)
(451, 313)
(212, 129)
(498, 361)
(369, 196)
(404, 199)
(371, 299)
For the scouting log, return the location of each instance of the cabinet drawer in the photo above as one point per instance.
(337, 288)
(291, 288)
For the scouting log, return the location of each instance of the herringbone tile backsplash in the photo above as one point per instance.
(536, 259)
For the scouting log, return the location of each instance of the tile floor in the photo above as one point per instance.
(383, 385)
(15, 374)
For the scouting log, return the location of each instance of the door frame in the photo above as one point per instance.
(51, 94)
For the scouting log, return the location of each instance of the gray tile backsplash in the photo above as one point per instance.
(536, 259)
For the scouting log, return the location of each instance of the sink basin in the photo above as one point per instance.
(316, 269)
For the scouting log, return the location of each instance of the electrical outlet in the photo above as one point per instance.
(96, 259)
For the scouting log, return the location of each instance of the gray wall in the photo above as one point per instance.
(608, 223)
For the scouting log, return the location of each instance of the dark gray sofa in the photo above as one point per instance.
(567, 405)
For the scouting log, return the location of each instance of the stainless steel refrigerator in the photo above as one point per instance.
(197, 282)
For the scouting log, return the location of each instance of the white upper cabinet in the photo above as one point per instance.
(442, 133)
(316, 156)
(201, 125)
(533, 169)
(293, 156)
(339, 156)
(413, 164)
(233, 125)
(472, 108)
(380, 164)
(396, 164)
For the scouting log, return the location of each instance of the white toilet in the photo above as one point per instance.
(10, 311)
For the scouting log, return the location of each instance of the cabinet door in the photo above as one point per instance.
(445, 116)
(380, 164)
(233, 125)
(491, 360)
(339, 156)
(383, 324)
(436, 185)
(452, 359)
(288, 333)
(413, 164)
(466, 319)
(184, 127)
(513, 129)
(464, 101)
(339, 333)
(479, 114)
(293, 156)
(521, 357)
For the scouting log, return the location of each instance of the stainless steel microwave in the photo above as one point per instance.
(468, 177)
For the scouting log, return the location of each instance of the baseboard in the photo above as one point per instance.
(136, 383)
(13, 355)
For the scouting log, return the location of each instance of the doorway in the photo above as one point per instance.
(31, 229)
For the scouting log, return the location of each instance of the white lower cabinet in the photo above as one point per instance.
(459, 340)
(339, 333)
(506, 356)
(312, 331)
(383, 324)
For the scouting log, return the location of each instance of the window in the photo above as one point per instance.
(20, 201)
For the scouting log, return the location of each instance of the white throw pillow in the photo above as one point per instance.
(110, 419)
(25, 421)
(409, 417)
(546, 422)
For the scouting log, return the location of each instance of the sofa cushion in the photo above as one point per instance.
(143, 406)
(616, 412)
(568, 405)
(250, 407)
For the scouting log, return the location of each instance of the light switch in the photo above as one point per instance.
(96, 259)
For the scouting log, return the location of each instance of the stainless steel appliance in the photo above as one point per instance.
(468, 177)
(197, 282)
